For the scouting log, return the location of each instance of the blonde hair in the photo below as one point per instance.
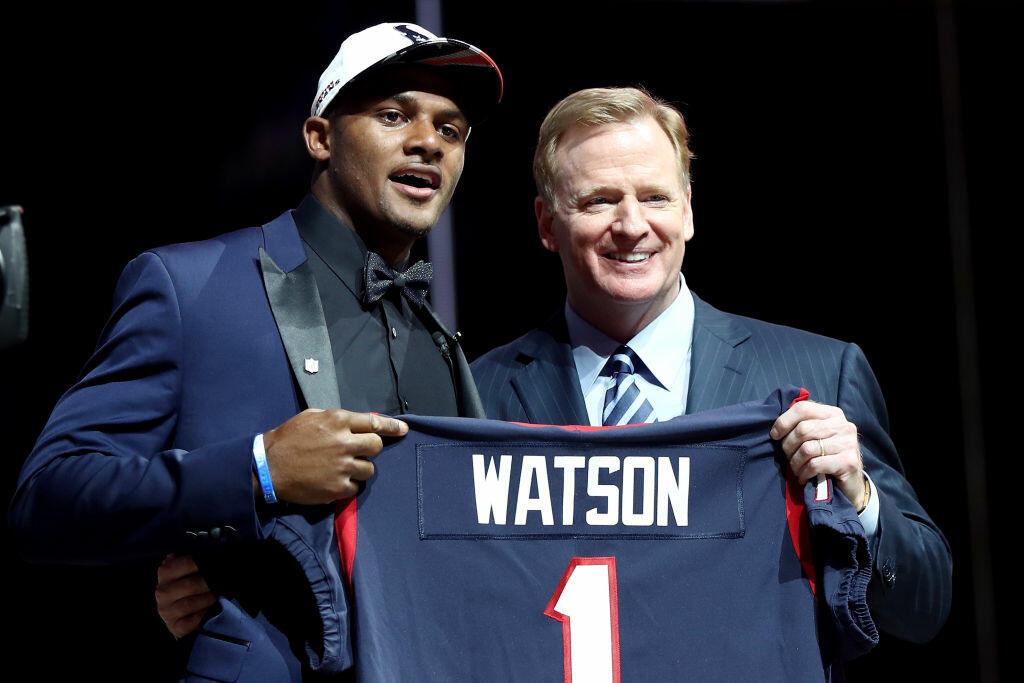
(599, 107)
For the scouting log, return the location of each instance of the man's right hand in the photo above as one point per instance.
(319, 456)
(182, 596)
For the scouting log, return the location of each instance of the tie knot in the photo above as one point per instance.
(624, 402)
(622, 361)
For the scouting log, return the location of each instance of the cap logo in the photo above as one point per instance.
(329, 88)
(412, 35)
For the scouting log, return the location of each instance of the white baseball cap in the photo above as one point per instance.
(480, 79)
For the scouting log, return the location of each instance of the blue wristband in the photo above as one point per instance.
(259, 456)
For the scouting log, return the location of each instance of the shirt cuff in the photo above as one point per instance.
(869, 515)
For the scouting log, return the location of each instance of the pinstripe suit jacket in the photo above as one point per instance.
(737, 359)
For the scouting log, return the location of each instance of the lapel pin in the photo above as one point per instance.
(312, 366)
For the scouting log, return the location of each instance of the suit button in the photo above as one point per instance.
(215, 533)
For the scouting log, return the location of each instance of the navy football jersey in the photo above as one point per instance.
(484, 550)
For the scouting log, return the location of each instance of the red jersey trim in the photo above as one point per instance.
(346, 528)
(796, 517)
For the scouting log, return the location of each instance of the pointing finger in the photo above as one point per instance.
(377, 424)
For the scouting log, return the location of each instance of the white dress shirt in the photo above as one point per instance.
(666, 377)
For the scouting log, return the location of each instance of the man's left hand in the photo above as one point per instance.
(818, 439)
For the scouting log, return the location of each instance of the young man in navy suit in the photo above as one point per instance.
(210, 418)
(612, 168)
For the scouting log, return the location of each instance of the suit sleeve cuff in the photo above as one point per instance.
(216, 485)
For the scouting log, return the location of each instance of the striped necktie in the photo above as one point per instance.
(624, 403)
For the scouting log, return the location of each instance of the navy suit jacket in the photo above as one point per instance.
(737, 359)
(150, 452)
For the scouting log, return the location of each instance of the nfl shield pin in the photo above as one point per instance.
(312, 365)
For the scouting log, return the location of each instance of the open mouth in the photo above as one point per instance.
(419, 177)
(631, 257)
(415, 181)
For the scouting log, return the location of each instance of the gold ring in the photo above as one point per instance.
(821, 447)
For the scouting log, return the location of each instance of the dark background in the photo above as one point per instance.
(821, 197)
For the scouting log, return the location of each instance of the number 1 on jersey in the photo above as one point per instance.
(587, 603)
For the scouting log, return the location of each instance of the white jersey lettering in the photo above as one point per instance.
(491, 487)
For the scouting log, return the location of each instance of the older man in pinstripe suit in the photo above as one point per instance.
(634, 344)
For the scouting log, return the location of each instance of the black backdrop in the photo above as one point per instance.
(820, 200)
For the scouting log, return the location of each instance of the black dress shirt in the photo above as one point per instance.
(385, 358)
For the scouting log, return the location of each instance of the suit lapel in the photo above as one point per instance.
(295, 302)
(546, 383)
(721, 363)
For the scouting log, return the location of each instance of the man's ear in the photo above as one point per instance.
(545, 217)
(317, 133)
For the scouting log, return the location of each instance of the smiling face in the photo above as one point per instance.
(393, 156)
(620, 221)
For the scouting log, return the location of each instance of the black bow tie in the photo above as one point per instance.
(378, 278)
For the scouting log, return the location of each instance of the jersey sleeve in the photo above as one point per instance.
(843, 564)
